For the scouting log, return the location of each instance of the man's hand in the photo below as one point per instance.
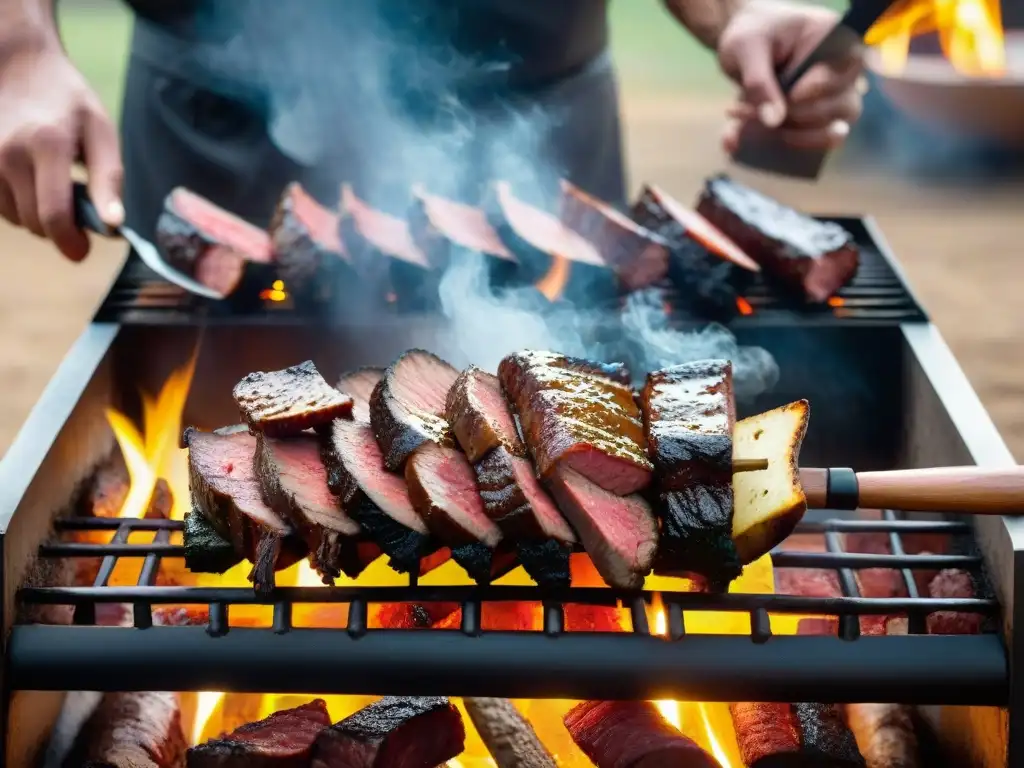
(765, 36)
(49, 117)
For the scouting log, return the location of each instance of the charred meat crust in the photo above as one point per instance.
(425, 731)
(289, 401)
(305, 241)
(773, 735)
(206, 551)
(133, 730)
(812, 257)
(619, 734)
(407, 406)
(283, 740)
(480, 417)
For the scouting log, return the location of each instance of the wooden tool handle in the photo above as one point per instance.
(974, 490)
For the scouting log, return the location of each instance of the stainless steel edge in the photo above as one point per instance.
(875, 233)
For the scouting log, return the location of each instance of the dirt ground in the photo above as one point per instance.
(959, 247)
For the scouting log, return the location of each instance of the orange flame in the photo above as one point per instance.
(553, 283)
(276, 292)
(970, 33)
(744, 306)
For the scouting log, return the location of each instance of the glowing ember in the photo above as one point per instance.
(970, 33)
(744, 306)
(275, 292)
(836, 301)
(554, 282)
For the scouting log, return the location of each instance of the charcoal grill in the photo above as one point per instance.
(885, 391)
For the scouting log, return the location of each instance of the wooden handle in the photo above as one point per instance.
(974, 490)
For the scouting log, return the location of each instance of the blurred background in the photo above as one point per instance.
(949, 207)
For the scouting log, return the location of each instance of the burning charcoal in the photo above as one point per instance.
(414, 615)
(812, 257)
(689, 413)
(293, 481)
(384, 253)
(306, 244)
(449, 232)
(781, 735)
(359, 385)
(287, 402)
(538, 239)
(413, 732)
(216, 247)
(620, 533)
(948, 584)
(108, 488)
(226, 492)
(638, 255)
(375, 498)
(624, 734)
(408, 404)
(206, 551)
(573, 415)
(284, 739)
(442, 488)
(508, 735)
(132, 730)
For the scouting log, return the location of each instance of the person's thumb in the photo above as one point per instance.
(103, 162)
(756, 73)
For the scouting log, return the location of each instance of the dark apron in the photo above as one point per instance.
(215, 134)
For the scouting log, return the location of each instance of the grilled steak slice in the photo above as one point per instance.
(293, 481)
(206, 551)
(375, 498)
(408, 404)
(514, 499)
(413, 732)
(813, 257)
(133, 730)
(631, 734)
(216, 247)
(773, 735)
(226, 492)
(442, 488)
(287, 402)
(638, 255)
(359, 384)
(620, 533)
(306, 245)
(695, 538)
(480, 417)
(283, 740)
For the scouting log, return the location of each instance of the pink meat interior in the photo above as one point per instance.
(222, 226)
(544, 231)
(465, 225)
(385, 232)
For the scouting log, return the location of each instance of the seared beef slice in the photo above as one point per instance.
(207, 242)
(575, 415)
(283, 740)
(414, 732)
(307, 247)
(293, 481)
(226, 492)
(513, 498)
(446, 230)
(689, 414)
(287, 402)
(407, 406)
(632, 734)
(815, 258)
(359, 384)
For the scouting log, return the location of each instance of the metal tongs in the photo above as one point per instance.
(760, 147)
(88, 218)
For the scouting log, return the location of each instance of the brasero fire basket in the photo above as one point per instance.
(81, 592)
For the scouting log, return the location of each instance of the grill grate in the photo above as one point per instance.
(877, 295)
(759, 666)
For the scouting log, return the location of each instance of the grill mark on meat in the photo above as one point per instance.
(375, 498)
(619, 533)
(283, 740)
(133, 730)
(813, 257)
(445, 229)
(214, 246)
(638, 255)
(413, 732)
(289, 401)
(479, 416)
(225, 491)
(442, 488)
(359, 384)
(407, 406)
(293, 482)
(514, 499)
(305, 240)
(631, 734)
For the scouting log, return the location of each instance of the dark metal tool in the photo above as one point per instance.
(760, 147)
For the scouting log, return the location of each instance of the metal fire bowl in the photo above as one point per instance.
(931, 91)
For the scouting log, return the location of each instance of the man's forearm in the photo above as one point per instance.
(704, 18)
(27, 22)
